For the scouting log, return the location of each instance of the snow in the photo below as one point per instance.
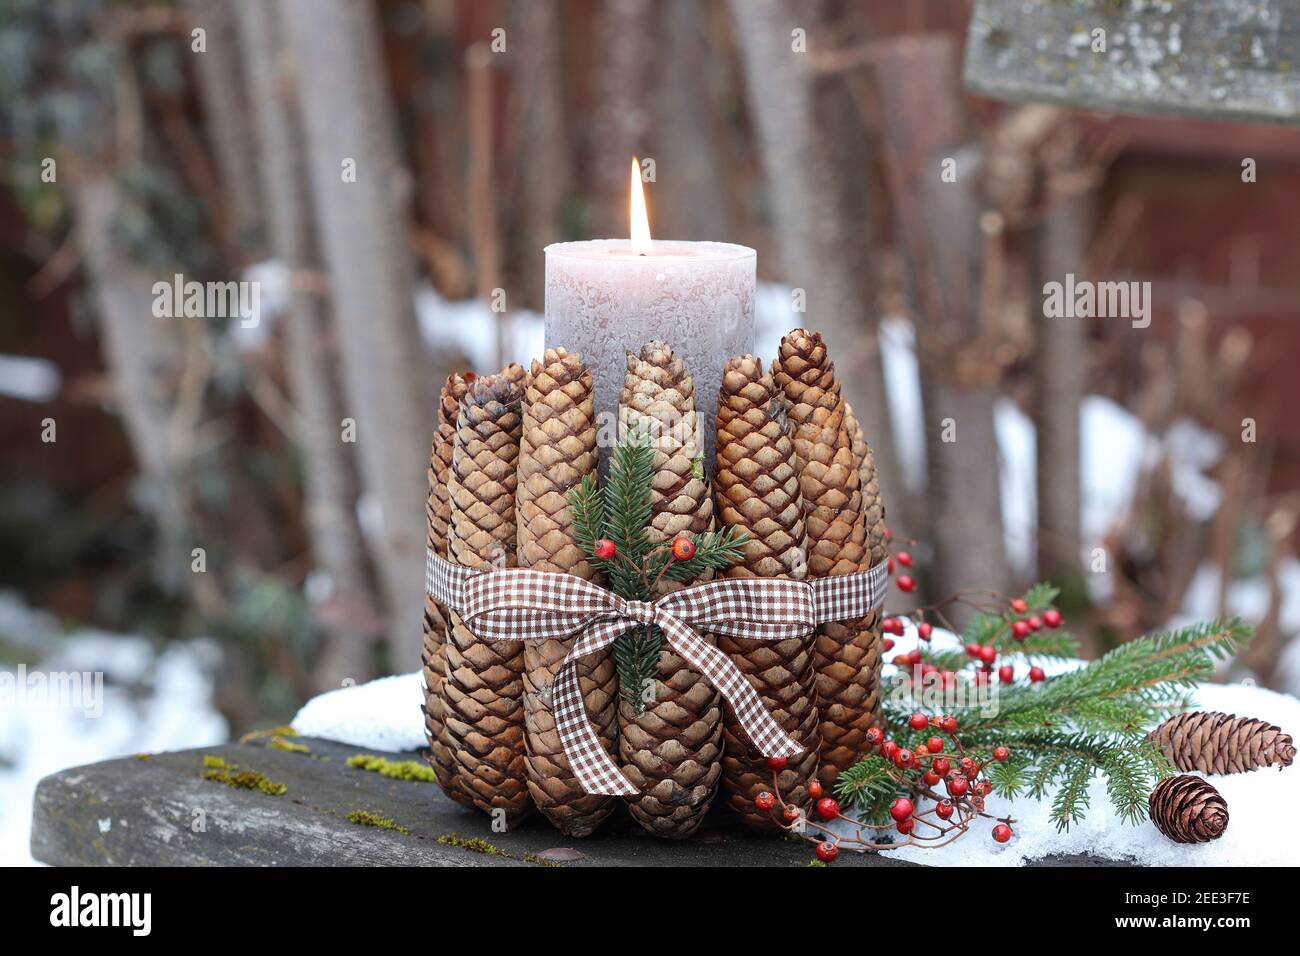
(385, 715)
(143, 701)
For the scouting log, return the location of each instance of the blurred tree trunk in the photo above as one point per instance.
(226, 112)
(815, 236)
(543, 165)
(1059, 363)
(363, 228)
(330, 484)
(694, 202)
(621, 125)
(948, 259)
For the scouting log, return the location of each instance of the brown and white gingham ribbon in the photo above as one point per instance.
(519, 604)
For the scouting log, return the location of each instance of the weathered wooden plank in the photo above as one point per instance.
(139, 813)
(1220, 59)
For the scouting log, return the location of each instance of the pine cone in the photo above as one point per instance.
(672, 750)
(1188, 810)
(873, 508)
(483, 687)
(757, 487)
(557, 449)
(1213, 742)
(435, 618)
(847, 652)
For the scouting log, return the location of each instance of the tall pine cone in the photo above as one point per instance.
(672, 750)
(757, 486)
(873, 508)
(1214, 742)
(558, 448)
(1188, 810)
(435, 619)
(847, 652)
(482, 692)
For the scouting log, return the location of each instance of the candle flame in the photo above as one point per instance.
(641, 244)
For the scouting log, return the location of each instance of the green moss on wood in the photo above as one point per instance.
(366, 818)
(396, 769)
(218, 770)
(284, 730)
(288, 746)
(473, 844)
(540, 861)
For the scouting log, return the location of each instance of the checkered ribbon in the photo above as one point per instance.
(519, 604)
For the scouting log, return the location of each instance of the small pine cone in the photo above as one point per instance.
(757, 489)
(873, 508)
(482, 691)
(1188, 809)
(557, 449)
(435, 617)
(672, 750)
(1215, 743)
(848, 653)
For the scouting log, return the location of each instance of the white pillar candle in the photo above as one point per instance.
(604, 299)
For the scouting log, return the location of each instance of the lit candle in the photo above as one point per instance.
(606, 297)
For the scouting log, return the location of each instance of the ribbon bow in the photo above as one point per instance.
(519, 604)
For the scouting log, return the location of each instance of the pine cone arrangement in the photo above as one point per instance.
(757, 488)
(847, 652)
(557, 449)
(671, 751)
(435, 617)
(1188, 809)
(482, 692)
(1216, 743)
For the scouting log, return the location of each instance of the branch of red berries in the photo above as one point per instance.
(916, 772)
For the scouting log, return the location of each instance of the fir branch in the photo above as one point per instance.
(870, 785)
(714, 551)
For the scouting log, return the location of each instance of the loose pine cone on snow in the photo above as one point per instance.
(1214, 742)
(558, 449)
(757, 486)
(1188, 809)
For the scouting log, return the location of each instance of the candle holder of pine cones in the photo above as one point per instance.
(793, 494)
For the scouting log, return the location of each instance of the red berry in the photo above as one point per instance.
(935, 745)
(1020, 630)
(1019, 606)
(983, 788)
(988, 653)
(887, 643)
(973, 650)
(967, 766)
(1001, 753)
(828, 808)
(931, 778)
(1037, 674)
(944, 809)
(889, 566)
(827, 851)
(683, 548)
(927, 669)
(791, 813)
(892, 625)
(906, 583)
(905, 826)
(1006, 673)
(925, 630)
(1002, 833)
(921, 751)
(875, 735)
(942, 765)
(981, 678)
(949, 680)
(889, 535)
(888, 749)
(901, 808)
(919, 721)
(605, 549)
(903, 758)
(957, 786)
(1052, 617)
(777, 763)
(949, 724)
(1035, 622)
(815, 789)
(765, 801)
(904, 558)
